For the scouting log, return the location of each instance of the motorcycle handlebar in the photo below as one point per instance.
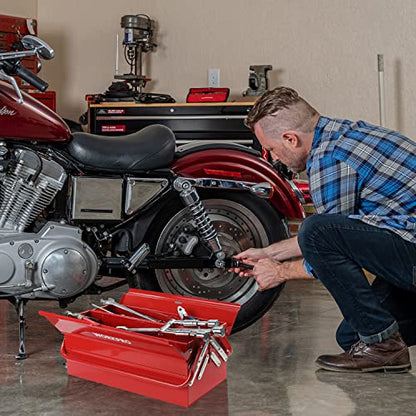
(30, 77)
(10, 64)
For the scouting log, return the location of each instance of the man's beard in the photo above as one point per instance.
(297, 167)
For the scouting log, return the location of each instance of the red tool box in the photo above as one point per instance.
(161, 365)
(12, 29)
(207, 95)
(48, 98)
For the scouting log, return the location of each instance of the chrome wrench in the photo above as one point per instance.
(112, 302)
(219, 349)
(201, 357)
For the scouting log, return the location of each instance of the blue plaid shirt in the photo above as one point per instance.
(366, 172)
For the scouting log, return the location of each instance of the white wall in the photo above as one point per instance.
(21, 8)
(326, 49)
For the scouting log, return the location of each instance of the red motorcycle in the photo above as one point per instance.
(76, 207)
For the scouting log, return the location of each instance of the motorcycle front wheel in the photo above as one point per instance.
(242, 221)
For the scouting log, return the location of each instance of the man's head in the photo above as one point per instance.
(284, 124)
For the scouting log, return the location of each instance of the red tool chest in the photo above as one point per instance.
(12, 29)
(48, 98)
(160, 365)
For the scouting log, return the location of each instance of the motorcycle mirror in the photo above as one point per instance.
(38, 65)
(41, 47)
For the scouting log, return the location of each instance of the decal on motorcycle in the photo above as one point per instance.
(6, 111)
(115, 128)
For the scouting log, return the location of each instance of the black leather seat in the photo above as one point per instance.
(150, 148)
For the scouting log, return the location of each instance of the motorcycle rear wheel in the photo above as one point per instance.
(242, 221)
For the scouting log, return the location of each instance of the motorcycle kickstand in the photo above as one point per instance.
(20, 309)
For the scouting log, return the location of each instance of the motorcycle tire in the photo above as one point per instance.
(242, 221)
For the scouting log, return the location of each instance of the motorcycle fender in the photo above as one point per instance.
(240, 166)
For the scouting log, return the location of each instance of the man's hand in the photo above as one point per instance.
(250, 256)
(281, 258)
(269, 273)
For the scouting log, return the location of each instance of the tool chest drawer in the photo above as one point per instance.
(179, 360)
(189, 122)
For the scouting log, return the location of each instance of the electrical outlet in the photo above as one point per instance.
(213, 78)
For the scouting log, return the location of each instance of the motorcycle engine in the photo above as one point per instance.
(53, 263)
(27, 188)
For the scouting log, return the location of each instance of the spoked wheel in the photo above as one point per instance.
(242, 221)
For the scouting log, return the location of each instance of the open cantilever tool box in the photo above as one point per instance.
(160, 365)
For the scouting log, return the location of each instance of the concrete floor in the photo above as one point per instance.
(271, 371)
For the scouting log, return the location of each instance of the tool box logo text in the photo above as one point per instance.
(110, 338)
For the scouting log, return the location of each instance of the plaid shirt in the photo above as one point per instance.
(365, 172)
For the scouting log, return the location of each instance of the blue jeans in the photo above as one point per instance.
(338, 249)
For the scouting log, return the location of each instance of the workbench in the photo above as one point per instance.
(189, 122)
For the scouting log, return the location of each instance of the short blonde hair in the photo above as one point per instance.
(280, 109)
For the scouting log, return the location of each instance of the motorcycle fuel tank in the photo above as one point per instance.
(30, 120)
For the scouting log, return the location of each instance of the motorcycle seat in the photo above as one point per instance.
(153, 147)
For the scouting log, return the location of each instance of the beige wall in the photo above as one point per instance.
(327, 49)
(21, 8)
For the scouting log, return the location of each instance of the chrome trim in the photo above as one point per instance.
(263, 190)
(297, 191)
(138, 196)
(96, 198)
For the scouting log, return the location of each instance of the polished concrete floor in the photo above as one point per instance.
(271, 371)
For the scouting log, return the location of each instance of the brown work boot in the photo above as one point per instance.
(391, 355)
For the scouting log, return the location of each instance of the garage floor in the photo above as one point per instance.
(271, 371)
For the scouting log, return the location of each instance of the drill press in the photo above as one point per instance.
(138, 39)
(139, 32)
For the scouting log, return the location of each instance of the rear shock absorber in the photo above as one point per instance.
(208, 233)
